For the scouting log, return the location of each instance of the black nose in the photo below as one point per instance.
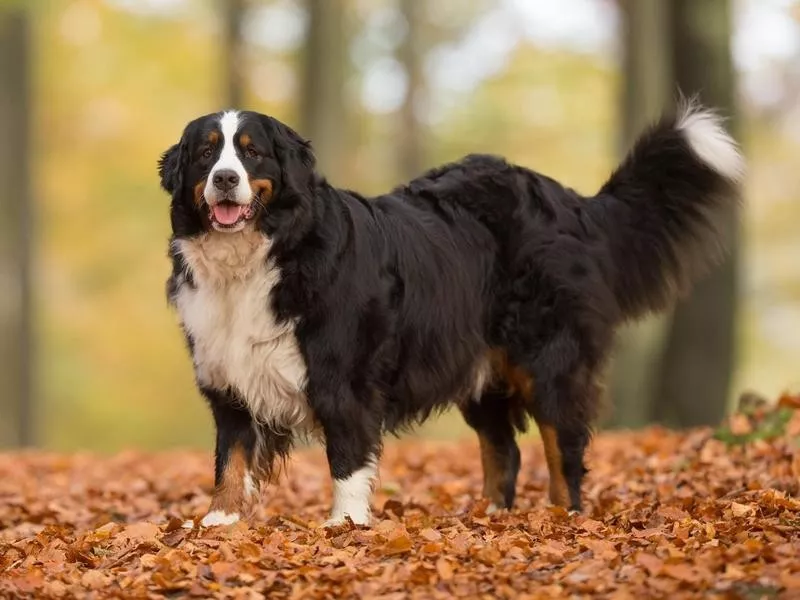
(225, 180)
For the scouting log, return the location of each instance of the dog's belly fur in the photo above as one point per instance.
(236, 341)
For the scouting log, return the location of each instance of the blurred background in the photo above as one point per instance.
(92, 91)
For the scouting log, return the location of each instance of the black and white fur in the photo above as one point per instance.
(480, 284)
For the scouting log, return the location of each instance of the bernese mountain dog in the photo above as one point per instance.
(309, 309)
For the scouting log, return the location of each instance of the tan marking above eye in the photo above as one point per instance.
(244, 140)
(213, 137)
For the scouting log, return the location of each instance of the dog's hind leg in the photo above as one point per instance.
(492, 418)
(565, 402)
(564, 447)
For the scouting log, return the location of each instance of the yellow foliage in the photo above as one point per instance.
(113, 89)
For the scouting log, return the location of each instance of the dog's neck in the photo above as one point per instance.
(217, 258)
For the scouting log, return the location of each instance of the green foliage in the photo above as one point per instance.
(756, 591)
(767, 426)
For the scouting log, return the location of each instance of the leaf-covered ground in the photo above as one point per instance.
(698, 514)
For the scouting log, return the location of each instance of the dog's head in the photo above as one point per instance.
(230, 167)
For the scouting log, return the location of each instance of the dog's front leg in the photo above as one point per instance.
(353, 446)
(236, 483)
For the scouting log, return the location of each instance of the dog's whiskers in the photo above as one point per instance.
(257, 199)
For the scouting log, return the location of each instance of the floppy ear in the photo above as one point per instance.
(170, 167)
(296, 158)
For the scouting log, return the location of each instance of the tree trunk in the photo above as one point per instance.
(411, 143)
(699, 353)
(233, 46)
(16, 401)
(322, 103)
(646, 91)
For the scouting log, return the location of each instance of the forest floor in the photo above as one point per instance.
(701, 513)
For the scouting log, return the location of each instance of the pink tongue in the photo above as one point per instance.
(227, 214)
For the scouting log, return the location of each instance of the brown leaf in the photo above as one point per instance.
(95, 580)
(223, 570)
(394, 506)
(175, 537)
(740, 424)
(138, 533)
(250, 551)
(673, 513)
(650, 562)
(592, 526)
(788, 400)
(444, 569)
(666, 513)
(791, 581)
(398, 545)
(76, 555)
(173, 525)
(432, 548)
(680, 572)
(741, 510)
(148, 560)
(430, 534)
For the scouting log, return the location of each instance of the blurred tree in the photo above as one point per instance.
(411, 147)
(323, 113)
(698, 358)
(646, 93)
(233, 46)
(16, 408)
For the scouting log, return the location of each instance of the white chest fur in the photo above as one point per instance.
(237, 343)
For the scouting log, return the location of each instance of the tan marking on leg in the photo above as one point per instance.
(232, 494)
(494, 472)
(559, 490)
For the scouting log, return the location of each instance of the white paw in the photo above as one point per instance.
(492, 508)
(362, 518)
(218, 517)
(351, 496)
(188, 524)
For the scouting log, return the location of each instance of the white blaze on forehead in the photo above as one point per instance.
(228, 159)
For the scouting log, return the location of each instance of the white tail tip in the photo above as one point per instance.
(710, 141)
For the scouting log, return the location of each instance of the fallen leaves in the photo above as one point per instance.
(667, 514)
(741, 510)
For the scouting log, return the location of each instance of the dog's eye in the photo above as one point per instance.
(251, 152)
(207, 153)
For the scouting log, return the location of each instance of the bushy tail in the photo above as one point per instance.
(668, 207)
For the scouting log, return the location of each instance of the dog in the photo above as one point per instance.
(309, 309)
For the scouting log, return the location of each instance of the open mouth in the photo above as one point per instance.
(228, 215)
